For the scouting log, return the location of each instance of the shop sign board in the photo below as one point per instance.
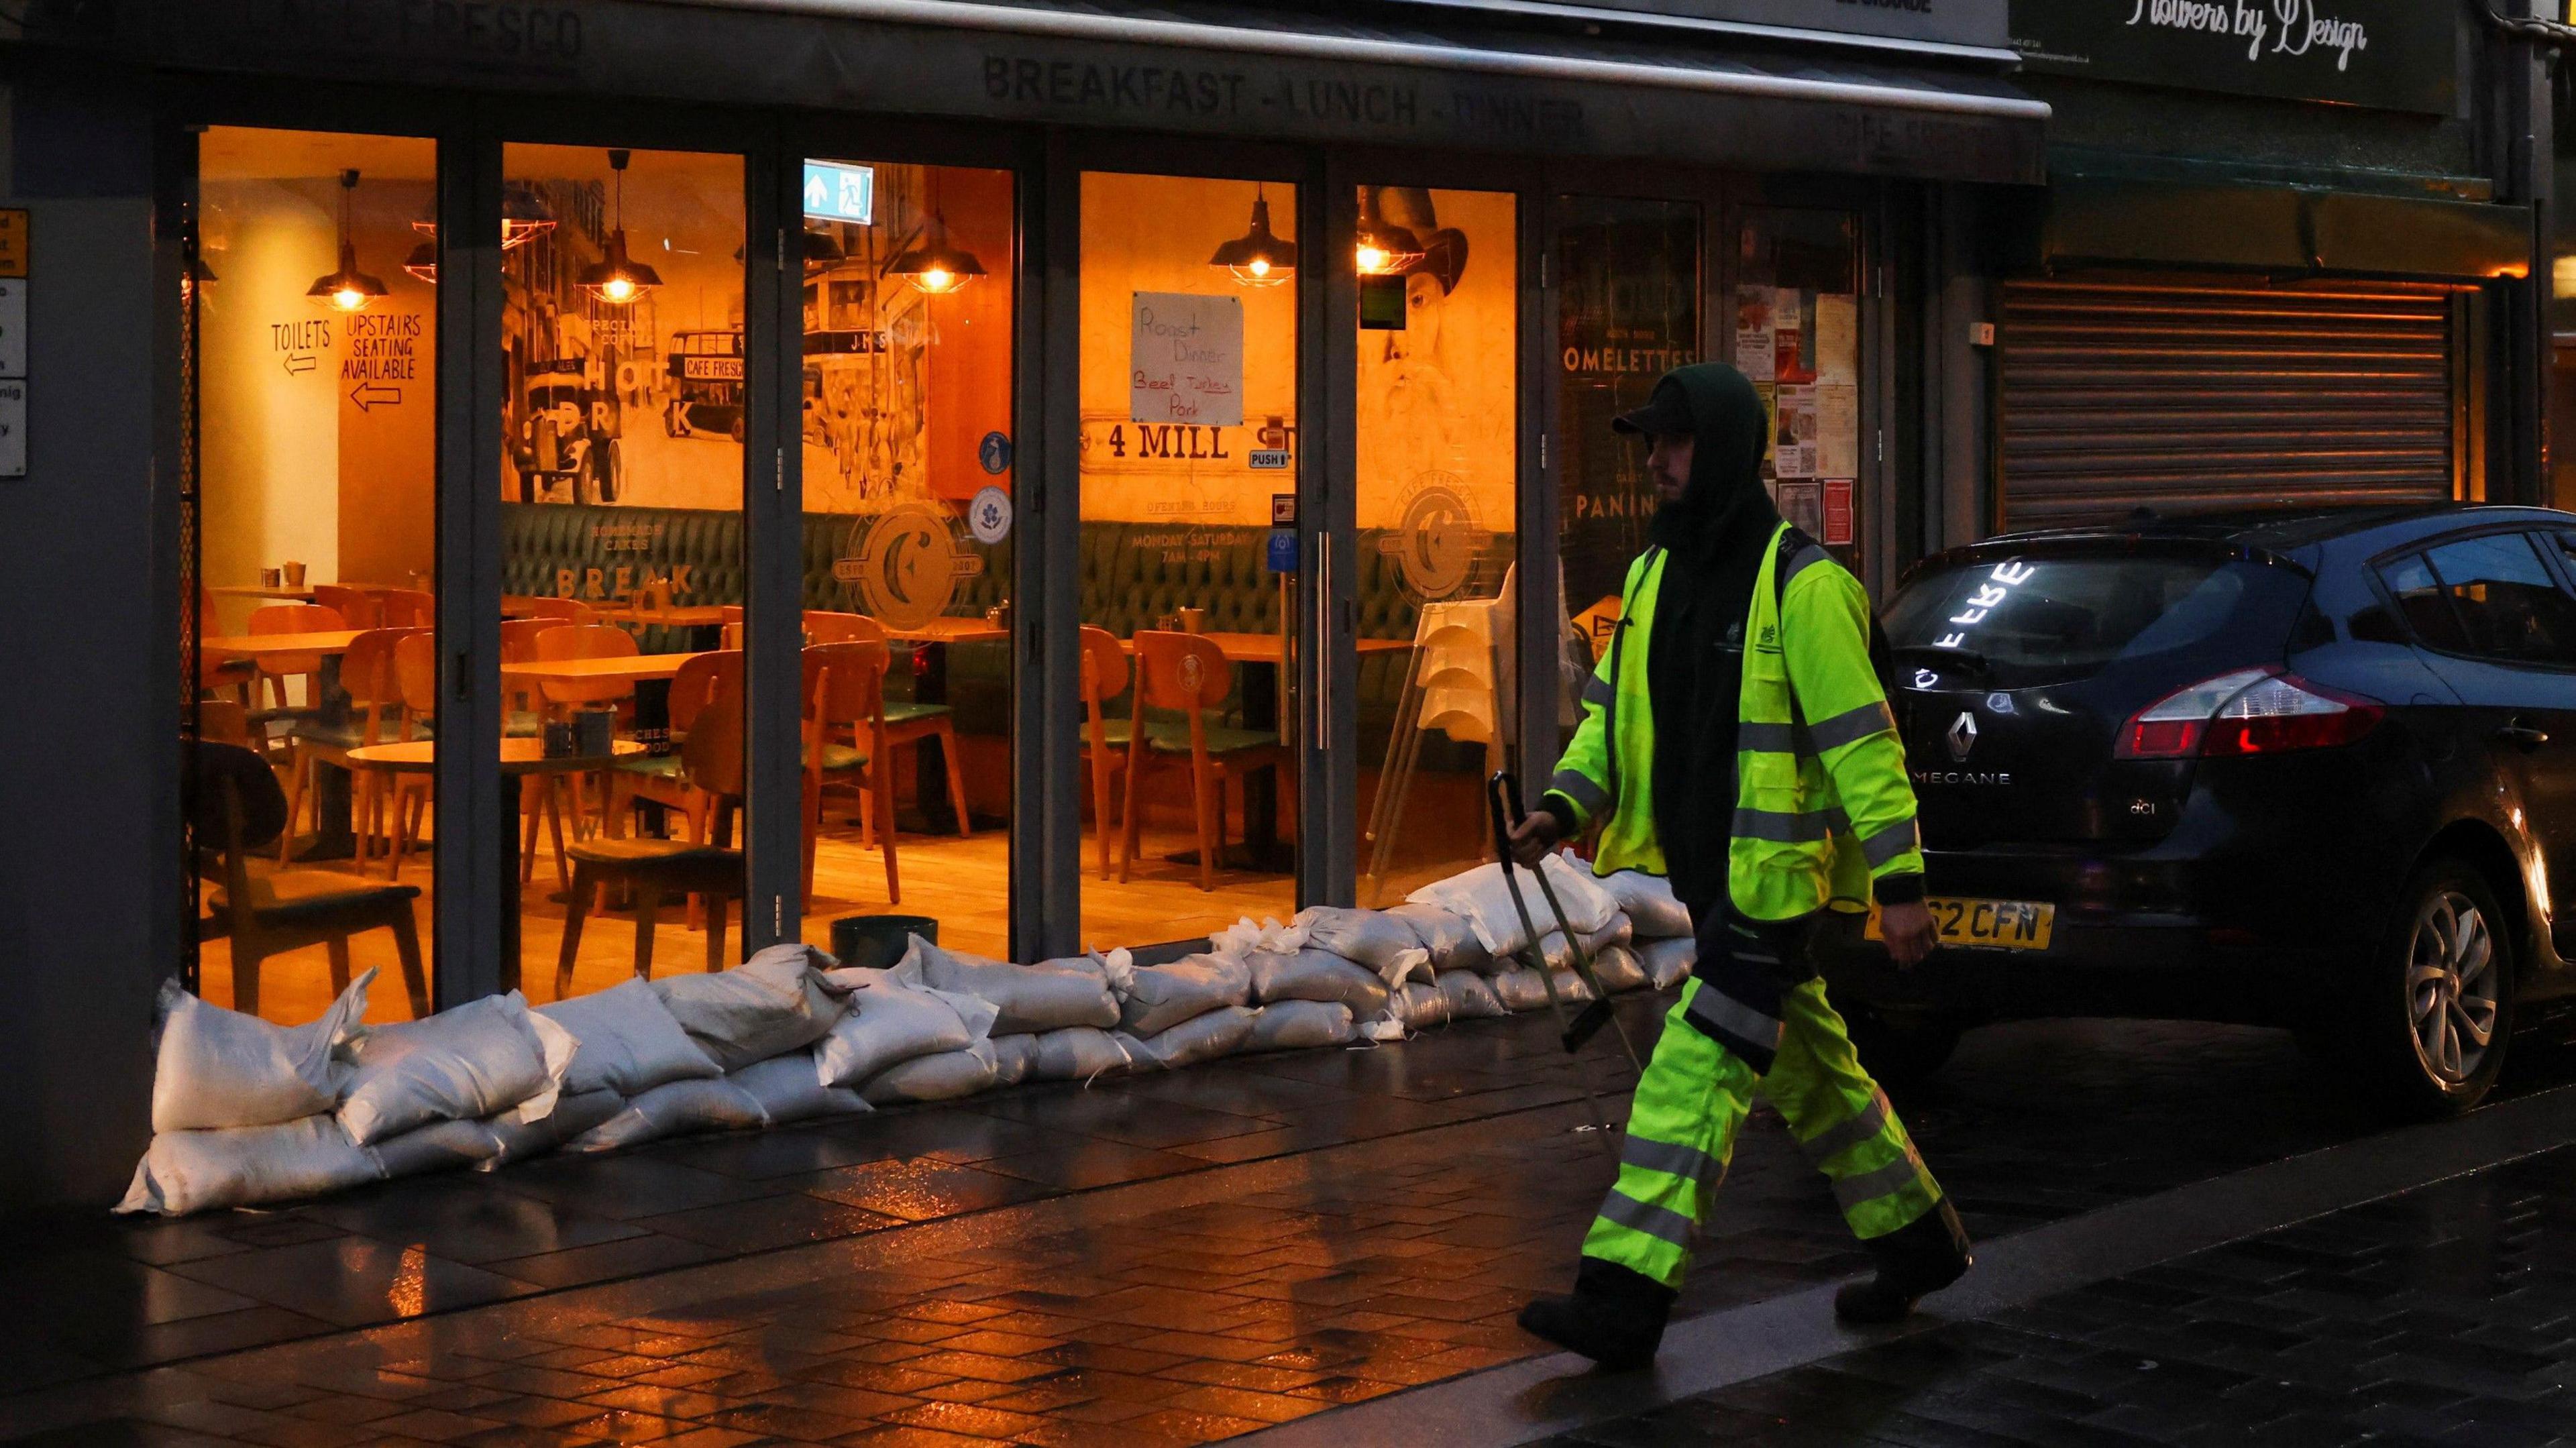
(840, 193)
(2399, 55)
(1949, 22)
(1185, 359)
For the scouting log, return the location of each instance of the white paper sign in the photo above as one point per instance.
(1185, 359)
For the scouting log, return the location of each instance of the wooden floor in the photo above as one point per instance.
(963, 883)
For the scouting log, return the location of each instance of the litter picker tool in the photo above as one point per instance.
(1503, 794)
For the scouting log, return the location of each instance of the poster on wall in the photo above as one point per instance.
(1185, 359)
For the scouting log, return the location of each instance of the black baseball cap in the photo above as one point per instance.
(1667, 411)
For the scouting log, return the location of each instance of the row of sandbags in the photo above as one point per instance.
(246, 1112)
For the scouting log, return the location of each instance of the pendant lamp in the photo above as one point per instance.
(423, 262)
(1258, 258)
(616, 278)
(934, 266)
(346, 289)
(1382, 248)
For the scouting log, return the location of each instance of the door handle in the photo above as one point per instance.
(2523, 734)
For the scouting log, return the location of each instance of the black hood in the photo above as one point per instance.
(1724, 505)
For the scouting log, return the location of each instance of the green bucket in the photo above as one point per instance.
(879, 940)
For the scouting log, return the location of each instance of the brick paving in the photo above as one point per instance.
(1010, 1283)
(2445, 1315)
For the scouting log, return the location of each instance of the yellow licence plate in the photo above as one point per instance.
(1985, 924)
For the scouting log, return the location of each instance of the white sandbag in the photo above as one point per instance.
(1077, 1053)
(1668, 961)
(891, 1022)
(1316, 975)
(943, 1077)
(1015, 1056)
(215, 1068)
(788, 1090)
(1560, 956)
(1299, 1025)
(1618, 969)
(1520, 990)
(776, 1002)
(479, 1059)
(1571, 989)
(630, 1042)
(1365, 937)
(1420, 1006)
(1244, 937)
(1470, 996)
(439, 1146)
(1649, 903)
(1203, 1037)
(196, 1171)
(1481, 897)
(1445, 935)
(1026, 998)
(675, 1109)
(1160, 997)
(573, 1115)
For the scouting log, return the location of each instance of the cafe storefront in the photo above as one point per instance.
(1075, 479)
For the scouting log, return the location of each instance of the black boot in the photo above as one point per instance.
(1615, 1317)
(1924, 1256)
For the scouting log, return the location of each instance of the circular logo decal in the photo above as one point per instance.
(906, 564)
(1436, 542)
(995, 453)
(988, 517)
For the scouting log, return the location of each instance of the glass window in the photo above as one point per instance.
(2508, 604)
(1797, 336)
(2419, 597)
(1438, 523)
(909, 461)
(2018, 622)
(1628, 312)
(1189, 443)
(622, 479)
(316, 312)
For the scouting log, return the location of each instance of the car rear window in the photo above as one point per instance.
(2489, 595)
(2049, 619)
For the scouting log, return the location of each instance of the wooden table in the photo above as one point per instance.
(261, 646)
(1270, 648)
(261, 590)
(952, 631)
(519, 758)
(690, 615)
(632, 668)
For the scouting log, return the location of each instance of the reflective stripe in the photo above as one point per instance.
(1597, 690)
(1771, 738)
(1852, 725)
(1835, 1140)
(1577, 786)
(1807, 557)
(1789, 829)
(1869, 1186)
(1716, 1013)
(1890, 842)
(1687, 1162)
(1659, 1223)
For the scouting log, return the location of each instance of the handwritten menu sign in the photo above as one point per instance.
(1185, 359)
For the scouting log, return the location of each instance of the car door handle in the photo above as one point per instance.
(2523, 734)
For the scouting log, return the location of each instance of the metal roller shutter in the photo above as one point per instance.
(2122, 395)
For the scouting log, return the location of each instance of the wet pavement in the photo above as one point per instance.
(1165, 1260)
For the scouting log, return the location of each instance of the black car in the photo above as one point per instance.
(2312, 769)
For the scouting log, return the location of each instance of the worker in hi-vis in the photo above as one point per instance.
(1736, 738)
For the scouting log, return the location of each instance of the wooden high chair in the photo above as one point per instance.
(1188, 674)
(1104, 743)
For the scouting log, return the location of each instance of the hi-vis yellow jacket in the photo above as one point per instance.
(1822, 804)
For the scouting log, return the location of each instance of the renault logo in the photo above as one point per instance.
(1963, 737)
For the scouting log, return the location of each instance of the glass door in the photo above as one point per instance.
(1437, 493)
(1190, 290)
(909, 458)
(1795, 300)
(625, 398)
(313, 290)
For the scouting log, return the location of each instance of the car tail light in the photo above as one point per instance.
(2250, 711)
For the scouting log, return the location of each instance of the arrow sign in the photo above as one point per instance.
(371, 395)
(816, 193)
(299, 363)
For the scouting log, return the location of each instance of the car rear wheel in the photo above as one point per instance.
(2429, 1034)
(1899, 1047)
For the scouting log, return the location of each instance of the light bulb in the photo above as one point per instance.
(349, 299)
(938, 280)
(618, 289)
(1372, 259)
(1260, 266)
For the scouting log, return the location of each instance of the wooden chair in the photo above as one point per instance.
(1104, 743)
(280, 618)
(657, 868)
(845, 690)
(216, 672)
(840, 628)
(702, 680)
(223, 721)
(416, 678)
(406, 607)
(1186, 674)
(578, 641)
(562, 610)
(730, 616)
(356, 606)
(375, 697)
(238, 808)
(907, 722)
